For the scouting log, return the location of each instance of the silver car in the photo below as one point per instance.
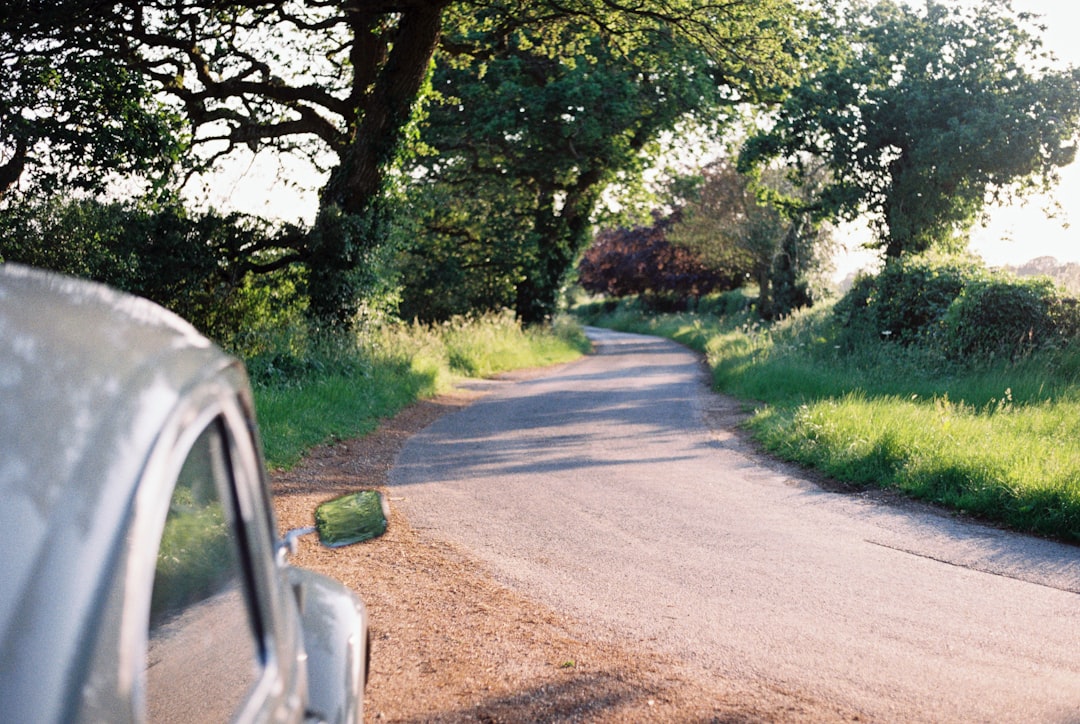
(142, 577)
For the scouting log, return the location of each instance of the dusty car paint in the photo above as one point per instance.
(100, 392)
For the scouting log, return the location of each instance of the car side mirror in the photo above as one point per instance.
(351, 518)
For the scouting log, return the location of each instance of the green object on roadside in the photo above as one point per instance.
(351, 518)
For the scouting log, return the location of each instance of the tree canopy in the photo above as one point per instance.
(339, 82)
(923, 115)
(486, 132)
(71, 111)
(729, 225)
(543, 116)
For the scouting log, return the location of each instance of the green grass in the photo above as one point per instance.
(997, 441)
(308, 393)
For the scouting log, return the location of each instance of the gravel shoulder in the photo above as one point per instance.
(452, 644)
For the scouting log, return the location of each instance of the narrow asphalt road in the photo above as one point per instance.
(599, 490)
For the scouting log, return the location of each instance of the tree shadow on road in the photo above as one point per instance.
(594, 697)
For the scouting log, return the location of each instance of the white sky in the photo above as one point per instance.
(1013, 236)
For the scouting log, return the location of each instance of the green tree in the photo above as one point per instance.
(335, 82)
(338, 82)
(466, 251)
(545, 116)
(730, 226)
(923, 115)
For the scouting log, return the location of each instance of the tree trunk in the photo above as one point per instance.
(386, 111)
(764, 302)
(12, 170)
(561, 235)
(353, 220)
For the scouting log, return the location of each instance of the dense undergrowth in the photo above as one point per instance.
(310, 391)
(993, 436)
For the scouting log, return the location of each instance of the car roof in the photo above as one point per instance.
(88, 376)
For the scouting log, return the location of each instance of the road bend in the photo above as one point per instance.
(599, 489)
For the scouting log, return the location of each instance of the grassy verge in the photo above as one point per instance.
(310, 393)
(999, 441)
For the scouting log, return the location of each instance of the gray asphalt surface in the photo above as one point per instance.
(600, 490)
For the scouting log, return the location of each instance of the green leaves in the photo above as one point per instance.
(921, 115)
(71, 112)
(542, 107)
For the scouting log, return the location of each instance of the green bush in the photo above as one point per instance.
(907, 300)
(1008, 317)
(854, 312)
(726, 304)
(195, 265)
(954, 307)
(1065, 314)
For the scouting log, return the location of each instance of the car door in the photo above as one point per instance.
(221, 639)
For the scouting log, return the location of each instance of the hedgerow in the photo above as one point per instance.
(958, 307)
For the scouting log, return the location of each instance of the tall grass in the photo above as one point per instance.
(1000, 441)
(312, 391)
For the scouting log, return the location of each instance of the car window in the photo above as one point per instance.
(203, 655)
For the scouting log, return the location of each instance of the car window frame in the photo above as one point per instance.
(209, 403)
